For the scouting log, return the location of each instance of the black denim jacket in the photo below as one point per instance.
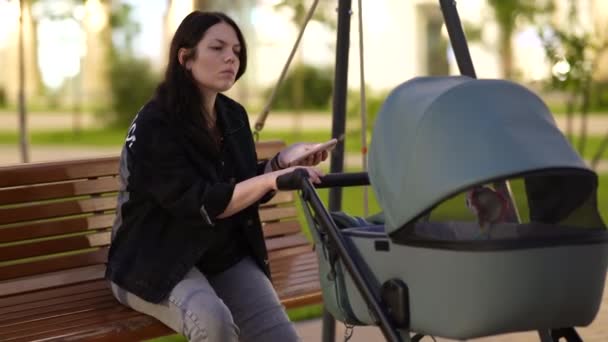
(170, 197)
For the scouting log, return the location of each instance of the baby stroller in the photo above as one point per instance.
(455, 253)
(443, 261)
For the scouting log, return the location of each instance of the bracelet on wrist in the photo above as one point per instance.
(274, 163)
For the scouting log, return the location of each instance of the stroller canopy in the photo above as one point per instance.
(436, 136)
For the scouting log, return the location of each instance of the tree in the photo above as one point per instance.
(574, 54)
(23, 136)
(300, 11)
(506, 13)
(132, 81)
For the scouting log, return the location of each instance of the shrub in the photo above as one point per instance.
(374, 103)
(315, 85)
(132, 84)
(600, 96)
(3, 102)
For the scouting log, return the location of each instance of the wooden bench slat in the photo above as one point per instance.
(294, 268)
(57, 310)
(58, 209)
(293, 264)
(286, 242)
(47, 247)
(303, 267)
(136, 328)
(55, 264)
(281, 197)
(281, 228)
(275, 214)
(35, 323)
(53, 325)
(301, 271)
(59, 227)
(294, 279)
(314, 296)
(52, 302)
(303, 289)
(49, 294)
(49, 280)
(95, 329)
(267, 149)
(36, 173)
(58, 190)
(304, 254)
(282, 253)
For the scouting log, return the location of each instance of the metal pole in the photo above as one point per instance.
(338, 127)
(465, 65)
(363, 283)
(457, 38)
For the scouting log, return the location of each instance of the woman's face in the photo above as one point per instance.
(216, 60)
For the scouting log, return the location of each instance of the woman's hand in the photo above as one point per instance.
(314, 175)
(293, 152)
(251, 190)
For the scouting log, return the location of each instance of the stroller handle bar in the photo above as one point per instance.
(293, 180)
(298, 180)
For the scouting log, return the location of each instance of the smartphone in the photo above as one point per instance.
(326, 146)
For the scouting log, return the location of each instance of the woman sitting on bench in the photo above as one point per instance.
(187, 244)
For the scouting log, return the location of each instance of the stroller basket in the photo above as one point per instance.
(530, 277)
(441, 143)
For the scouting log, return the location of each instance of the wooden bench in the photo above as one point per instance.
(55, 222)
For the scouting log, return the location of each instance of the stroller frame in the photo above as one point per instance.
(391, 320)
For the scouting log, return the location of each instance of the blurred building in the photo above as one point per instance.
(402, 39)
(65, 47)
(9, 51)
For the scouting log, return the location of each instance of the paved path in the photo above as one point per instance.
(47, 121)
(598, 123)
(9, 154)
(596, 332)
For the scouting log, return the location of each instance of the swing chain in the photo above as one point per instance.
(348, 331)
(259, 125)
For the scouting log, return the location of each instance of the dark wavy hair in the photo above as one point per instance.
(178, 93)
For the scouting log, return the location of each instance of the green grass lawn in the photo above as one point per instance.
(115, 137)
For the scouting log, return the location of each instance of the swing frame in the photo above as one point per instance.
(336, 179)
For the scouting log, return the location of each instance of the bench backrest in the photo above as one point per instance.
(56, 219)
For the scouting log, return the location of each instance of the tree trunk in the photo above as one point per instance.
(506, 49)
(202, 5)
(586, 93)
(23, 137)
(298, 97)
(570, 115)
(600, 152)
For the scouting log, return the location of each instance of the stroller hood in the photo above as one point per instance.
(436, 136)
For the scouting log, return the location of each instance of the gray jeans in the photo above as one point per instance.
(238, 304)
